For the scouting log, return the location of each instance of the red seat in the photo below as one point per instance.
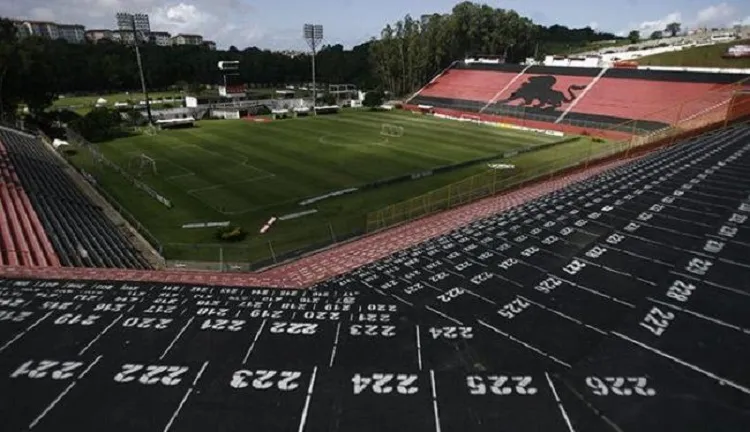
(661, 101)
(23, 240)
(475, 85)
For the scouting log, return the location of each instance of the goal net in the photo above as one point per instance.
(142, 164)
(391, 130)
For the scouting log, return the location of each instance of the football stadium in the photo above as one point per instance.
(541, 231)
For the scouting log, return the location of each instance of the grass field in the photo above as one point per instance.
(246, 172)
(706, 56)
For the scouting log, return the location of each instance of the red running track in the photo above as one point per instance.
(332, 262)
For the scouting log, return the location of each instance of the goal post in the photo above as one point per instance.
(142, 164)
(391, 130)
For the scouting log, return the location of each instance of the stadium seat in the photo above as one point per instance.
(587, 97)
(44, 199)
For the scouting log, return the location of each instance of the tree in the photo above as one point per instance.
(673, 28)
(99, 124)
(657, 35)
(329, 99)
(9, 97)
(634, 36)
(373, 99)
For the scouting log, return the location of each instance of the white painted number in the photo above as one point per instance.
(620, 386)
(222, 324)
(547, 285)
(144, 323)
(657, 321)
(451, 294)
(266, 379)
(574, 267)
(372, 330)
(382, 383)
(699, 266)
(451, 332)
(293, 328)
(76, 319)
(680, 290)
(151, 374)
(513, 308)
(46, 368)
(500, 385)
(596, 252)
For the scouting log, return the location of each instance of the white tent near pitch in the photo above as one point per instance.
(58, 142)
(101, 101)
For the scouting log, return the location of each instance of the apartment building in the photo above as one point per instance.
(95, 36)
(73, 33)
(187, 39)
(161, 38)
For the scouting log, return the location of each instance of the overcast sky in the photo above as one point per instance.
(278, 24)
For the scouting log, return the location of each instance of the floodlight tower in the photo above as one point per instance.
(131, 19)
(313, 34)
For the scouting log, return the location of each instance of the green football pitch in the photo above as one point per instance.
(247, 172)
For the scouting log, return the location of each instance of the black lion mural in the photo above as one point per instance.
(540, 88)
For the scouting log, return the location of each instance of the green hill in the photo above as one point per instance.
(705, 56)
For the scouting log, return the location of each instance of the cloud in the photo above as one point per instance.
(648, 27)
(716, 15)
(593, 25)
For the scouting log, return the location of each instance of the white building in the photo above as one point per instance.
(161, 38)
(73, 33)
(98, 35)
(44, 29)
(187, 39)
(123, 36)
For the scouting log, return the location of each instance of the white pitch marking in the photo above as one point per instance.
(185, 398)
(106, 329)
(307, 401)
(335, 344)
(567, 317)
(62, 394)
(402, 300)
(434, 401)
(444, 315)
(533, 348)
(252, 345)
(174, 341)
(614, 299)
(559, 402)
(419, 348)
(20, 335)
(705, 317)
(686, 364)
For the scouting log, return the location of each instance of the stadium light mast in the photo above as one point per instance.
(140, 68)
(313, 34)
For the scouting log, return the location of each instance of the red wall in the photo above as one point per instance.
(574, 130)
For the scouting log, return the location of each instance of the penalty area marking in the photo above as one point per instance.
(219, 186)
(383, 142)
(325, 140)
